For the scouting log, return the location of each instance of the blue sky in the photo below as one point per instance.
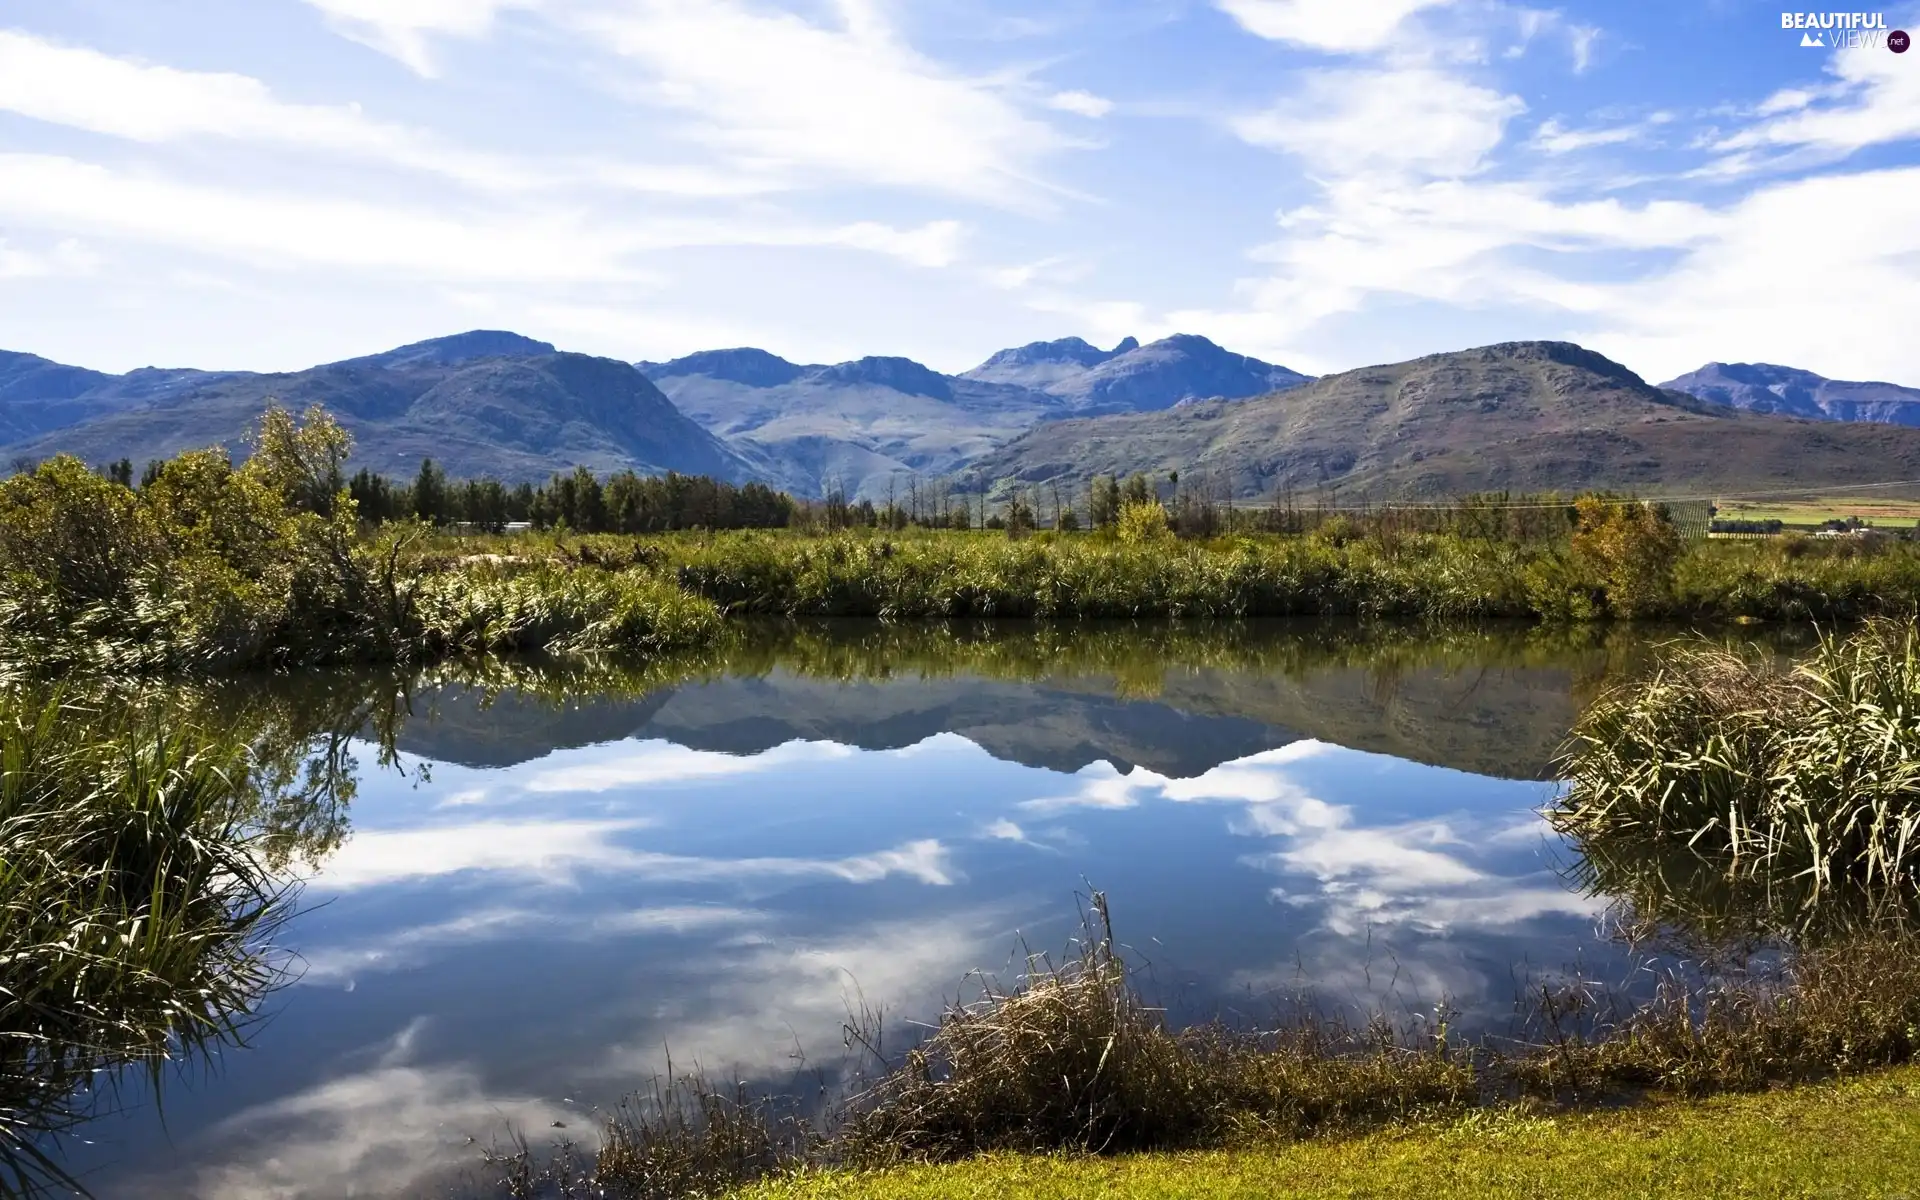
(1324, 183)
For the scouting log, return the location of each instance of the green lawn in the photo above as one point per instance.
(1854, 1139)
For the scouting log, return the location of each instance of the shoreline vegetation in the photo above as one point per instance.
(276, 563)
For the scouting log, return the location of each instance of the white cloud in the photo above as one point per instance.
(645, 764)
(553, 852)
(1555, 138)
(1333, 25)
(1084, 104)
(1774, 283)
(1581, 40)
(676, 918)
(68, 256)
(723, 1013)
(84, 89)
(1404, 121)
(935, 244)
(285, 231)
(850, 101)
(1099, 785)
(408, 948)
(1874, 99)
(389, 1130)
(550, 850)
(404, 29)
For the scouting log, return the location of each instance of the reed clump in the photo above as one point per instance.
(135, 904)
(1073, 1058)
(1805, 777)
(1821, 1011)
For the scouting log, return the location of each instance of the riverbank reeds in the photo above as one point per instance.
(1802, 778)
(135, 904)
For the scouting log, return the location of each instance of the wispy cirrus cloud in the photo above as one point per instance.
(1416, 121)
(84, 89)
(471, 241)
(554, 852)
(847, 100)
(408, 29)
(1330, 25)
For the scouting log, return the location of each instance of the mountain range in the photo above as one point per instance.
(480, 403)
(860, 426)
(1521, 416)
(1763, 387)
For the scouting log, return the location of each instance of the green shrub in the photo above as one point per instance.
(1144, 523)
(1631, 548)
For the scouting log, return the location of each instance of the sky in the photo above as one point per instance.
(1326, 184)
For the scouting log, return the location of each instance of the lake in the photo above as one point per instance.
(550, 881)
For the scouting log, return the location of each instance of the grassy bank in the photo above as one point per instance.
(1860, 1138)
(1333, 572)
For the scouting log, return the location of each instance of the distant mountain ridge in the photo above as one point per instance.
(1039, 364)
(1523, 416)
(1764, 387)
(485, 402)
(865, 426)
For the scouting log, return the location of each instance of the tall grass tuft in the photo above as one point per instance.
(134, 907)
(1074, 1058)
(1807, 778)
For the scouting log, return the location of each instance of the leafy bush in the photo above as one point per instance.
(1631, 548)
(207, 565)
(1144, 523)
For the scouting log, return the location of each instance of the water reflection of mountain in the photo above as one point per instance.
(1500, 721)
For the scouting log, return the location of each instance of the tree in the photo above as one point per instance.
(1020, 519)
(305, 461)
(1631, 547)
(589, 503)
(430, 493)
(375, 499)
(1144, 522)
(1103, 501)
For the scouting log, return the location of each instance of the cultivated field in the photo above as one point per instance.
(1812, 511)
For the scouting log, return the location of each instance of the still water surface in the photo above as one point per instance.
(541, 897)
